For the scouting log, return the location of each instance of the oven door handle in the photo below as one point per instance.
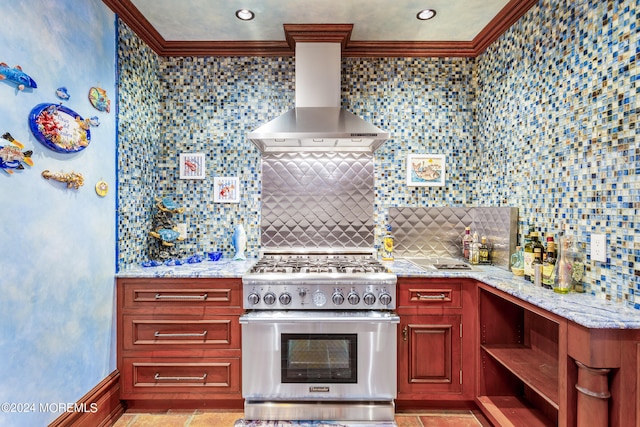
(318, 317)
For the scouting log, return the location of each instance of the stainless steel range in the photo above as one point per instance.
(319, 338)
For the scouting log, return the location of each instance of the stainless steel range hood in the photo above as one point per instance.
(317, 123)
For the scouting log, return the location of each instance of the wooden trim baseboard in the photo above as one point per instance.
(100, 407)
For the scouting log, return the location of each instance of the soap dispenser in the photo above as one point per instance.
(239, 242)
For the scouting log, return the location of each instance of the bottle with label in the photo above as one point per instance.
(549, 264)
(474, 250)
(532, 255)
(483, 251)
(387, 245)
(466, 243)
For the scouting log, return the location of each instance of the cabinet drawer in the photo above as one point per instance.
(430, 294)
(180, 378)
(219, 332)
(180, 296)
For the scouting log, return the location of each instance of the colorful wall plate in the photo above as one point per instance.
(59, 128)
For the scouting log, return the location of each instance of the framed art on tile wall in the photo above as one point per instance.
(426, 170)
(191, 166)
(226, 189)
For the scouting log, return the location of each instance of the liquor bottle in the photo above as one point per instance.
(474, 251)
(387, 245)
(483, 251)
(466, 243)
(549, 264)
(532, 255)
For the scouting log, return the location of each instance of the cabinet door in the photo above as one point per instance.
(429, 355)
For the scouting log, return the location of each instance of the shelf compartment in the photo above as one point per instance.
(512, 411)
(537, 370)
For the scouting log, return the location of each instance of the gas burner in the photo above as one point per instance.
(318, 264)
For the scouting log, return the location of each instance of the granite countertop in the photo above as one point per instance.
(224, 268)
(583, 309)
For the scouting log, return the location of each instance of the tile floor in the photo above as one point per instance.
(214, 418)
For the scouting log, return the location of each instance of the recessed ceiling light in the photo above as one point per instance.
(245, 14)
(426, 14)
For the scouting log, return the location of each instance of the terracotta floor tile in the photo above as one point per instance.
(220, 418)
(407, 421)
(124, 420)
(160, 420)
(449, 420)
(217, 419)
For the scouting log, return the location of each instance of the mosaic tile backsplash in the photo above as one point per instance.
(544, 120)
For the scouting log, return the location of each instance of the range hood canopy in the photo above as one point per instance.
(317, 123)
(318, 129)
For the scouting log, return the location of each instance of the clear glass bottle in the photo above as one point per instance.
(576, 258)
(563, 267)
(466, 243)
(474, 252)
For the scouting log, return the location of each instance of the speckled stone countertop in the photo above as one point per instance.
(206, 269)
(583, 309)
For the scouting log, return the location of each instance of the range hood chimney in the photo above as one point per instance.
(317, 123)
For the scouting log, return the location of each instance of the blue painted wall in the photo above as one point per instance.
(57, 256)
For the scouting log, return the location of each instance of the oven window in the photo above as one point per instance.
(319, 358)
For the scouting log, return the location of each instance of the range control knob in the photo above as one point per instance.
(269, 298)
(253, 298)
(285, 298)
(337, 298)
(353, 298)
(369, 298)
(384, 298)
(302, 292)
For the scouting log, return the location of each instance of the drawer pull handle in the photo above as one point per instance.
(159, 334)
(428, 297)
(182, 297)
(157, 377)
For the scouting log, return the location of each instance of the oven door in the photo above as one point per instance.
(319, 355)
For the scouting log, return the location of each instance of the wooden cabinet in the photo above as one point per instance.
(522, 363)
(435, 354)
(179, 341)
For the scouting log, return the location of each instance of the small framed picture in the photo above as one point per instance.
(426, 170)
(192, 166)
(226, 189)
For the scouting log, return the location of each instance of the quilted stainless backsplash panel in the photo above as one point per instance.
(437, 231)
(317, 200)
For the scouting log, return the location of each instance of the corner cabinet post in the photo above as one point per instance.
(593, 396)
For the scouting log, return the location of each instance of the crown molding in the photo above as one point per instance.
(337, 33)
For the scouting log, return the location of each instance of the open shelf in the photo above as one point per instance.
(510, 410)
(519, 370)
(536, 370)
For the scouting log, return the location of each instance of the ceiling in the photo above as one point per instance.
(375, 27)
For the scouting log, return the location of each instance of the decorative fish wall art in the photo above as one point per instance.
(15, 75)
(12, 157)
(98, 98)
(73, 180)
(63, 93)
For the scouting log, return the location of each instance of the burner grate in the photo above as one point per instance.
(318, 264)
